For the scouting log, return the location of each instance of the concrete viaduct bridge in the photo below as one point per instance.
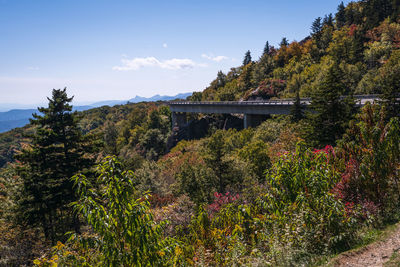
(254, 112)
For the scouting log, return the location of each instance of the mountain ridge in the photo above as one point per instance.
(19, 117)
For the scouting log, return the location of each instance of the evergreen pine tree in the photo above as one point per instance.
(58, 151)
(357, 46)
(316, 31)
(375, 11)
(247, 58)
(297, 109)
(350, 15)
(220, 165)
(221, 79)
(389, 83)
(330, 113)
(246, 77)
(110, 138)
(340, 16)
(316, 26)
(266, 49)
(262, 69)
(328, 21)
(284, 42)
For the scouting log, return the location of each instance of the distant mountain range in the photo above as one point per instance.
(19, 117)
(138, 99)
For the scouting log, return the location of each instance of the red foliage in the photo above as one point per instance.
(390, 30)
(221, 200)
(349, 209)
(344, 190)
(352, 30)
(327, 150)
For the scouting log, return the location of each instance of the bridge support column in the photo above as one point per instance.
(246, 119)
(253, 120)
(178, 119)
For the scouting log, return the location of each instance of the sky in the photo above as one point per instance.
(117, 49)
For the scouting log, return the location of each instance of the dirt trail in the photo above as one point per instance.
(375, 254)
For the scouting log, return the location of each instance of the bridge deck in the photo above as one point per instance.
(281, 106)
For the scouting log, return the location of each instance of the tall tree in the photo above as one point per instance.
(389, 83)
(297, 110)
(266, 49)
(110, 138)
(330, 113)
(340, 16)
(246, 76)
(215, 159)
(375, 11)
(247, 58)
(328, 20)
(351, 14)
(262, 69)
(221, 79)
(316, 31)
(58, 151)
(316, 26)
(284, 42)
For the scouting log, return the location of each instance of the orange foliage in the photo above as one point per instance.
(295, 50)
(390, 31)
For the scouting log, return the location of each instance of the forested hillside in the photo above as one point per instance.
(111, 187)
(360, 38)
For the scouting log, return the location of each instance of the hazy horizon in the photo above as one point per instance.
(4, 107)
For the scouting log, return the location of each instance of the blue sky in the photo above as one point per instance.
(115, 49)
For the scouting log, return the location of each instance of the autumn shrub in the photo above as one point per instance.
(220, 236)
(179, 215)
(124, 232)
(371, 151)
(151, 179)
(220, 200)
(302, 212)
(156, 200)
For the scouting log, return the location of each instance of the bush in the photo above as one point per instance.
(371, 150)
(302, 210)
(125, 233)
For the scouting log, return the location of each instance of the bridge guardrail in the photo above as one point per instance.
(288, 101)
(271, 102)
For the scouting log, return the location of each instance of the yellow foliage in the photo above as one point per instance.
(59, 245)
(178, 251)
(161, 253)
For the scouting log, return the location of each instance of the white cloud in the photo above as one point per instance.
(165, 45)
(216, 58)
(176, 63)
(170, 64)
(32, 68)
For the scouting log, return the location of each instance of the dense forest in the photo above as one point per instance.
(112, 186)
